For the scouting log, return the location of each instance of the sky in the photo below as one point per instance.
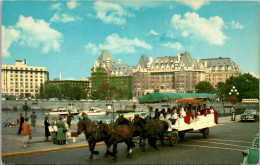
(67, 36)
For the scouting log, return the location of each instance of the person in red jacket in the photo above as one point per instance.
(27, 132)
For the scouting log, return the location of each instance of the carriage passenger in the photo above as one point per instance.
(172, 116)
(150, 114)
(162, 114)
(182, 112)
(156, 114)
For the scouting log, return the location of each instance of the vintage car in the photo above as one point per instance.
(251, 156)
(250, 114)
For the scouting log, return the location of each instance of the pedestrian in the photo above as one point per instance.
(27, 132)
(33, 120)
(54, 129)
(69, 117)
(61, 137)
(67, 133)
(46, 125)
(21, 123)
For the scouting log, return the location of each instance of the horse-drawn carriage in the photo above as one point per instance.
(124, 130)
(188, 123)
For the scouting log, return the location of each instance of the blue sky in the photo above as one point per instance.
(67, 36)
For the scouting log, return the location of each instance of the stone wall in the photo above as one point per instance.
(118, 105)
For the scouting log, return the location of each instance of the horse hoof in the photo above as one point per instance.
(96, 152)
(89, 160)
(129, 155)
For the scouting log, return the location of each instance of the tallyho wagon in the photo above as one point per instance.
(188, 119)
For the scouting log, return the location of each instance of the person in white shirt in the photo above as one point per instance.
(182, 112)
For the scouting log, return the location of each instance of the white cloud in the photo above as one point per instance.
(152, 32)
(38, 33)
(72, 4)
(192, 25)
(56, 6)
(64, 18)
(194, 4)
(10, 35)
(170, 34)
(175, 45)
(236, 25)
(116, 44)
(111, 13)
(136, 4)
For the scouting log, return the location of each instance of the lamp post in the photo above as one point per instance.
(233, 98)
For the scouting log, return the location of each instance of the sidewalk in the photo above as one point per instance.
(12, 143)
(227, 119)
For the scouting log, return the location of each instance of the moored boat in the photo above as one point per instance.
(95, 112)
(63, 111)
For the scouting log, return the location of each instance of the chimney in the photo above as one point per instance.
(24, 61)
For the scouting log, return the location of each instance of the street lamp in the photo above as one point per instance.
(233, 98)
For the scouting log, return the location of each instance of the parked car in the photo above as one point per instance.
(250, 114)
(251, 156)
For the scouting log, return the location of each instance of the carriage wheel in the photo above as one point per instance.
(205, 132)
(181, 134)
(173, 139)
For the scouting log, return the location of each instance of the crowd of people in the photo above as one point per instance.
(188, 112)
(58, 128)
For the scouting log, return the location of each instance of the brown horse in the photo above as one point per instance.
(94, 133)
(122, 132)
(151, 129)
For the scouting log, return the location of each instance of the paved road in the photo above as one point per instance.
(224, 146)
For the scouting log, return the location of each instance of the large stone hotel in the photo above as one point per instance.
(22, 80)
(177, 74)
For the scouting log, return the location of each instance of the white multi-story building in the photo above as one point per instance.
(23, 80)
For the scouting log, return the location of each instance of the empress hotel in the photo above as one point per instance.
(177, 74)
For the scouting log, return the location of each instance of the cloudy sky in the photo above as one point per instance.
(67, 36)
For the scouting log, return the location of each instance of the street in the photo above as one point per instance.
(224, 146)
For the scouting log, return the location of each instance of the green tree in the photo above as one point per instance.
(246, 84)
(156, 90)
(204, 87)
(66, 90)
(77, 92)
(51, 90)
(41, 95)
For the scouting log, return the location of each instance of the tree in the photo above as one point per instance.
(41, 91)
(246, 84)
(204, 87)
(221, 91)
(156, 90)
(51, 90)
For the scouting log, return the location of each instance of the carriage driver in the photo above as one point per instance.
(150, 114)
(85, 117)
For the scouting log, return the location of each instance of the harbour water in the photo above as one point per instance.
(11, 116)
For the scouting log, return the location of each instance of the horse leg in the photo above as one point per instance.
(91, 151)
(130, 145)
(142, 143)
(114, 152)
(108, 153)
(161, 138)
(152, 142)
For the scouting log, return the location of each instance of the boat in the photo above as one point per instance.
(63, 111)
(95, 112)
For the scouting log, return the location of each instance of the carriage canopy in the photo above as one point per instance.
(161, 97)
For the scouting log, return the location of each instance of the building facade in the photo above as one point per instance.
(179, 73)
(106, 69)
(84, 83)
(22, 80)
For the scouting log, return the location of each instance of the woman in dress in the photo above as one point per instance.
(46, 125)
(53, 124)
(61, 137)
